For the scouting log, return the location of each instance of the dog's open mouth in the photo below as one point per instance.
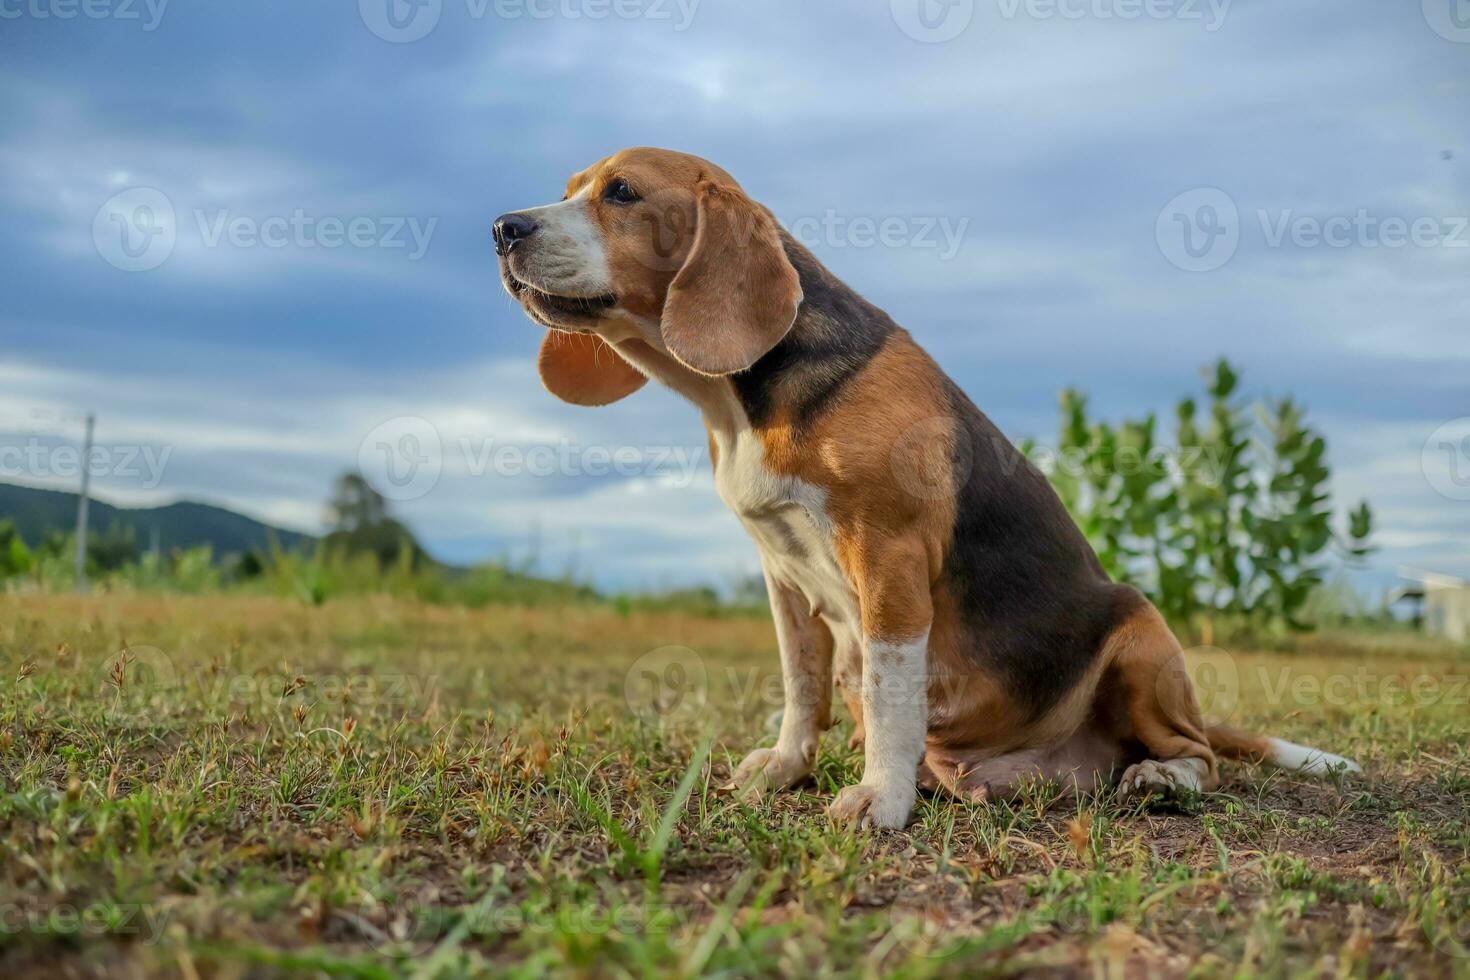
(566, 305)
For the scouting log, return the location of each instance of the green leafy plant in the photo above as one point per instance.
(1231, 525)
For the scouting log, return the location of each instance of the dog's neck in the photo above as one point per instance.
(836, 332)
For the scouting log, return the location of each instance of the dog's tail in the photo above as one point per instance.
(1231, 743)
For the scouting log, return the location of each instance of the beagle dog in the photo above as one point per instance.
(911, 553)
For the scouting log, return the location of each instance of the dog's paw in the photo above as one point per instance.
(863, 806)
(1167, 778)
(767, 771)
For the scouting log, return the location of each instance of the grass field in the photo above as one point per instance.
(378, 788)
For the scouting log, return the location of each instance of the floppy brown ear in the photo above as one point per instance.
(737, 293)
(584, 370)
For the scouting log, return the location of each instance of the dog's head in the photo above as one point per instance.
(657, 245)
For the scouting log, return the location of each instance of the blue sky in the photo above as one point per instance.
(312, 184)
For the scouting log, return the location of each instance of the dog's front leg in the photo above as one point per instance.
(806, 682)
(897, 614)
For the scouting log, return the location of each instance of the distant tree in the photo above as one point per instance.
(355, 504)
(249, 565)
(109, 550)
(362, 525)
(56, 543)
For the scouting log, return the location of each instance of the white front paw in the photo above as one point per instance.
(769, 770)
(885, 805)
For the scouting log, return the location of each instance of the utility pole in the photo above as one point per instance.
(82, 505)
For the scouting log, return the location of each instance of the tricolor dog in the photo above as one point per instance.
(910, 554)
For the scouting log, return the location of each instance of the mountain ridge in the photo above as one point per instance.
(37, 511)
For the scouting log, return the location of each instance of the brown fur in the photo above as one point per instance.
(890, 541)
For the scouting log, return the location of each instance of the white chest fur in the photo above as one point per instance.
(788, 520)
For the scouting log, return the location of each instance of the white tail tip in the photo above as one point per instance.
(1289, 755)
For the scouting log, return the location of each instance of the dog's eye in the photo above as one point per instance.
(618, 192)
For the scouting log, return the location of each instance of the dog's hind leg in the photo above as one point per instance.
(1153, 699)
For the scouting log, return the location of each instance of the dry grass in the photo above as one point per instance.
(376, 788)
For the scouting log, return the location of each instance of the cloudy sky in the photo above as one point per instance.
(254, 238)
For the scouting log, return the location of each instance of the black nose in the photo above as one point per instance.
(510, 229)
